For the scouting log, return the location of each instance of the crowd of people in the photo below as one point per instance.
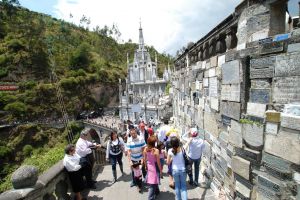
(147, 151)
(106, 121)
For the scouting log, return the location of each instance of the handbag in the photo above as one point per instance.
(187, 162)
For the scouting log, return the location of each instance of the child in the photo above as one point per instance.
(137, 175)
(162, 154)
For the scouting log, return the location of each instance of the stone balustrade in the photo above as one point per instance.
(52, 184)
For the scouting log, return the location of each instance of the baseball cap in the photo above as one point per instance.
(194, 132)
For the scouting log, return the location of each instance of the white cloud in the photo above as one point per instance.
(167, 24)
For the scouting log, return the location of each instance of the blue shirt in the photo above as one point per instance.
(136, 148)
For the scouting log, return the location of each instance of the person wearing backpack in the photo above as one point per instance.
(114, 153)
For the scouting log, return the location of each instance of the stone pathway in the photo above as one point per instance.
(121, 190)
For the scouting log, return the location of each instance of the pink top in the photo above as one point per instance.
(137, 172)
(152, 173)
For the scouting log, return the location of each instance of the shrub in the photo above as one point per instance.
(27, 150)
(4, 151)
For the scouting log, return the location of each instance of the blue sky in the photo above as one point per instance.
(168, 24)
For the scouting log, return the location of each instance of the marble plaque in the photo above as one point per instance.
(260, 84)
(221, 60)
(231, 109)
(214, 103)
(260, 96)
(226, 120)
(264, 62)
(290, 121)
(236, 126)
(272, 47)
(286, 89)
(253, 135)
(206, 73)
(213, 61)
(293, 47)
(235, 138)
(231, 92)
(210, 124)
(271, 128)
(212, 72)
(287, 65)
(207, 64)
(269, 183)
(241, 166)
(272, 116)
(285, 145)
(276, 163)
(213, 87)
(231, 72)
(262, 73)
(249, 154)
(205, 82)
(256, 109)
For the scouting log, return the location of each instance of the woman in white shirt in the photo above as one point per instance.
(114, 153)
(71, 163)
(178, 168)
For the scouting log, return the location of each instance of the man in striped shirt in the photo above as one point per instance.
(135, 148)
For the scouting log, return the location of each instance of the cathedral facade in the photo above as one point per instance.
(140, 98)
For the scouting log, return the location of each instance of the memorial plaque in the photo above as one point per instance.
(214, 103)
(248, 154)
(210, 124)
(231, 109)
(260, 95)
(221, 60)
(271, 128)
(260, 83)
(269, 183)
(272, 116)
(285, 145)
(265, 62)
(231, 92)
(293, 47)
(272, 47)
(253, 135)
(213, 87)
(205, 82)
(287, 65)
(235, 138)
(241, 167)
(290, 121)
(226, 120)
(262, 73)
(256, 109)
(206, 73)
(243, 181)
(207, 64)
(231, 72)
(276, 163)
(277, 174)
(213, 61)
(264, 194)
(200, 76)
(286, 89)
(212, 72)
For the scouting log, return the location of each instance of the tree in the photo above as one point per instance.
(81, 58)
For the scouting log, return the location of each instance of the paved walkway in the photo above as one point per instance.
(121, 190)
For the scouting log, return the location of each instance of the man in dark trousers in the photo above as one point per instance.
(83, 149)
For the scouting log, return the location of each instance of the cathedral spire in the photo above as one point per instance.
(141, 38)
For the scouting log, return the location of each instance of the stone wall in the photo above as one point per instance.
(244, 102)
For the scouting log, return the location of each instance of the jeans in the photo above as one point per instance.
(153, 191)
(114, 159)
(196, 163)
(180, 184)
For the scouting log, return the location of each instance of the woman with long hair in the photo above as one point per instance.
(114, 153)
(153, 167)
(175, 156)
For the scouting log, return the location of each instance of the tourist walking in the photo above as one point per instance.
(71, 164)
(175, 155)
(195, 147)
(135, 147)
(153, 167)
(162, 153)
(114, 153)
(83, 149)
(143, 132)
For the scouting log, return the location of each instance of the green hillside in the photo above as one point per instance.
(88, 65)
